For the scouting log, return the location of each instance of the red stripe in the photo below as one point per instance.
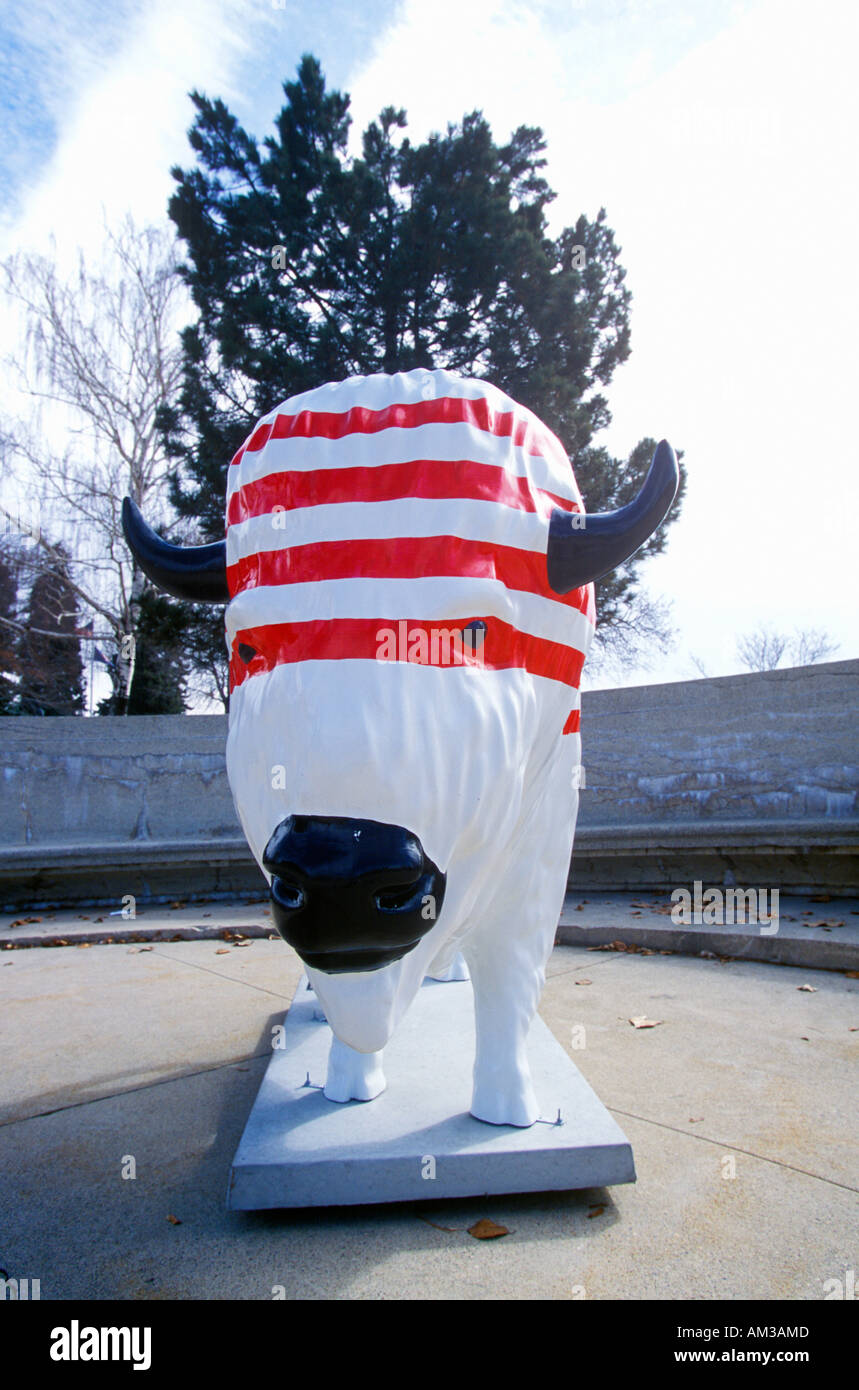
(340, 639)
(434, 479)
(573, 724)
(318, 424)
(406, 557)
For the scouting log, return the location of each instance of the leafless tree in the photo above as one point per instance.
(763, 649)
(640, 633)
(100, 355)
(810, 645)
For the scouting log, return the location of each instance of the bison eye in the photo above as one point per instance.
(246, 653)
(474, 635)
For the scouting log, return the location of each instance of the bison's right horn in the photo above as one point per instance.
(585, 546)
(197, 573)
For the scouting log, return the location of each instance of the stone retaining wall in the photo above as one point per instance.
(739, 776)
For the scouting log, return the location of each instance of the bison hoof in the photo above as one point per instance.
(457, 970)
(353, 1075)
(506, 1105)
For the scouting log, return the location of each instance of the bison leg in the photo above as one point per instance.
(504, 1005)
(353, 1075)
(507, 952)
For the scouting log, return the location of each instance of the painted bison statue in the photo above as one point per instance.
(407, 573)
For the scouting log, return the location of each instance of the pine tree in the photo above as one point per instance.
(159, 667)
(9, 664)
(307, 266)
(50, 651)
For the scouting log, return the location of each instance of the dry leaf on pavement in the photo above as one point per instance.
(642, 1021)
(484, 1229)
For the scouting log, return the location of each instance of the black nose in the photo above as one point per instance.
(351, 895)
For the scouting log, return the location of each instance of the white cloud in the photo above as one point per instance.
(127, 126)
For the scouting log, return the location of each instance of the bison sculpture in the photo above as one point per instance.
(407, 574)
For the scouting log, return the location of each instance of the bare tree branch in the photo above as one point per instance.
(101, 355)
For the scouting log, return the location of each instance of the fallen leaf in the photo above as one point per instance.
(642, 1021)
(695, 1119)
(595, 1211)
(580, 907)
(803, 1038)
(244, 943)
(808, 989)
(174, 1221)
(852, 974)
(484, 1229)
(635, 913)
(583, 982)
(174, 906)
(853, 1030)
(222, 951)
(24, 921)
(83, 945)
(820, 898)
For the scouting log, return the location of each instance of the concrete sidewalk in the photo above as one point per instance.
(741, 1108)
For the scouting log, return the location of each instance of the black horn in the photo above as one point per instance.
(197, 573)
(585, 546)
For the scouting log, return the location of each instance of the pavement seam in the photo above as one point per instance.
(261, 989)
(734, 1148)
(133, 1090)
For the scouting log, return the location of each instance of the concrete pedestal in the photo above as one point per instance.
(416, 1140)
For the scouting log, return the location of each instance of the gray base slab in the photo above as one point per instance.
(301, 1150)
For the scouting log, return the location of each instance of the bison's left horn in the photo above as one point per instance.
(197, 573)
(583, 547)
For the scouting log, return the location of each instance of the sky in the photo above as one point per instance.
(719, 137)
